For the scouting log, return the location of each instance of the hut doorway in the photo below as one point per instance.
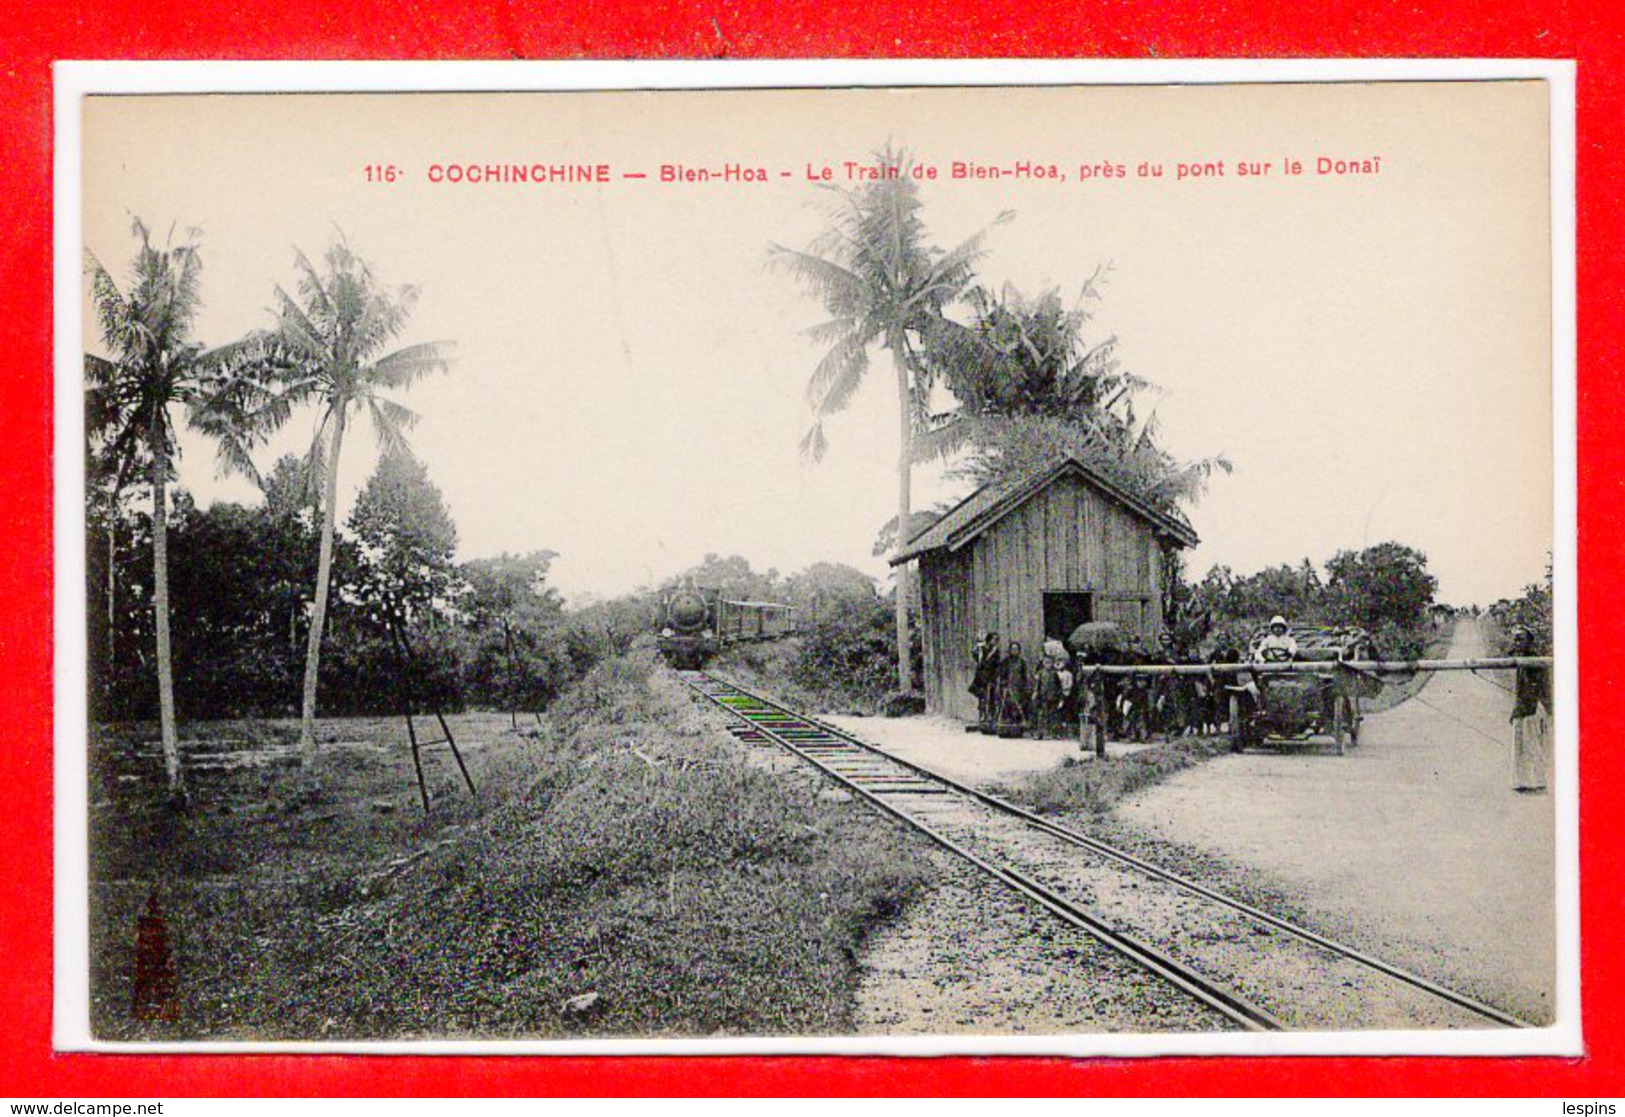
(1064, 612)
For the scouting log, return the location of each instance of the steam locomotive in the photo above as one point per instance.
(694, 624)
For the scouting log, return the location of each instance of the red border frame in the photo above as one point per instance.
(1591, 31)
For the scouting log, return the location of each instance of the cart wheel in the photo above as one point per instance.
(1238, 732)
(1340, 723)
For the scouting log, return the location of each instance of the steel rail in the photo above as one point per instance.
(1150, 868)
(1229, 1004)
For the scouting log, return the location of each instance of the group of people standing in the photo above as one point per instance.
(1049, 699)
(1013, 699)
(1058, 697)
(1139, 707)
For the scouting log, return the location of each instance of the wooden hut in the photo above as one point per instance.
(1035, 558)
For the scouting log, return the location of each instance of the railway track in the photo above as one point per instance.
(1258, 971)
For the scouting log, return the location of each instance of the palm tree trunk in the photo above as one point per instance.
(513, 671)
(112, 595)
(905, 458)
(160, 607)
(318, 616)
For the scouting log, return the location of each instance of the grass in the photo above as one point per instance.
(627, 872)
(1098, 785)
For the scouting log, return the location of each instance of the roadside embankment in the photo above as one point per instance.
(626, 872)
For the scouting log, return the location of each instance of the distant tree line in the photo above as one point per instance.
(489, 632)
(1531, 609)
(1385, 589)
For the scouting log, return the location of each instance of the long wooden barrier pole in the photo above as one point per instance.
(1321, 667)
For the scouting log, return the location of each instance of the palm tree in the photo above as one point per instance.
(325, 351)
(882, 283)
(1031, 390)
(154, 364)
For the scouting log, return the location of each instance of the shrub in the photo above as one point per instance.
(853, 652)
(901, 705)
(362, 672)
(609, 628)
(1533, 610)
(1395, 641)
(1381, 586)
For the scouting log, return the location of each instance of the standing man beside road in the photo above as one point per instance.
(1096, 695)
(1531, 718)
(1220, 687)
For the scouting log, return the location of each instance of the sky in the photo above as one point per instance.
(1370, 350)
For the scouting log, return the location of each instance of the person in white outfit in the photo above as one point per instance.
(1279, 644)
(1531, 718)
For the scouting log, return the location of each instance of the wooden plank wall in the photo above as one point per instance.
(1065, 538)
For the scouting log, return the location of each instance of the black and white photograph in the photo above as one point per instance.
(1070, 567)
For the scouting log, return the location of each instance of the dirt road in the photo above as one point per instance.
(1413, 846)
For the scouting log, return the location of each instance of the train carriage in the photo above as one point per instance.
(756, 620)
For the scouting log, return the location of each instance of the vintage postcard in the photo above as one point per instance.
(689, 558)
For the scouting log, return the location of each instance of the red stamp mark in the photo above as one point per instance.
(154, 997)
